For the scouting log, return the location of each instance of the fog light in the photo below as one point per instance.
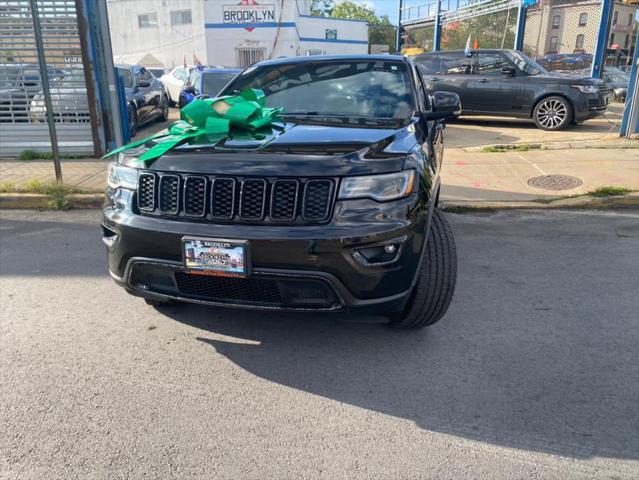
(381, 254)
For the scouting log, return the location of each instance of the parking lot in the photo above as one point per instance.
(471, 132)
(531, 374)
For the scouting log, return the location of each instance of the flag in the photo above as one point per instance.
(475, 44)
(467, 51)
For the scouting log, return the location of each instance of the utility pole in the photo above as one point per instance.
(398, 36)
(44, 76)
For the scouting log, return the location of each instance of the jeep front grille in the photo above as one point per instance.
(224, 199)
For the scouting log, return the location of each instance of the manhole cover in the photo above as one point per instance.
(555, 182)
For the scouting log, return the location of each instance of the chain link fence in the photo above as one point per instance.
(491, 30)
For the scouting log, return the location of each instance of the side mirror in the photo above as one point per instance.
(445, 105)
(510, 71)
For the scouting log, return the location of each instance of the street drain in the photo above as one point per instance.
(555, 182)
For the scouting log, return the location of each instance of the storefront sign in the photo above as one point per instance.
(248, 11)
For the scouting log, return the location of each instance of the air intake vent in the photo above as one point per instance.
(195, 196)
(169, 194)
(146, 192)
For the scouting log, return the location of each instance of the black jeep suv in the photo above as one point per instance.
(508, 83)
(334, 210)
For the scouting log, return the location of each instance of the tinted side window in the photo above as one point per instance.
(446, 63)
(490, 63)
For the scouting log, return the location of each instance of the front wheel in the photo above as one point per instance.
(436, 280)
(553, 113)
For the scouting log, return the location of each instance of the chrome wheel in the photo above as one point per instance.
(552, 113)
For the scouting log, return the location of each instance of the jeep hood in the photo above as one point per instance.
(301, 148)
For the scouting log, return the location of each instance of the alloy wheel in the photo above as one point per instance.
(552, 113)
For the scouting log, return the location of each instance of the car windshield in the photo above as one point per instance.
(9, 77)
(355, 88)
(126, 76)
(213, 82)
(525, 63)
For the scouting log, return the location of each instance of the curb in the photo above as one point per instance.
(30, 201)
(576, 145)
(585, 201)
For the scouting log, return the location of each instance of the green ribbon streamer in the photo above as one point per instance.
(213, 118)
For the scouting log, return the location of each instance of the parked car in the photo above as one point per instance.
(145, 96)
(176, 80)
(208, 82)
(508, 83)
(565, 61)
(335, 210)
(68, 99)
(616, 79)
(19, 82)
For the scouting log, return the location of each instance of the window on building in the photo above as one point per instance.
(556, 20)
(148, 20)
(630, 18)
(554, 42)
(583, 19)
(579, 43)
(615, 17)
(612, 38)
(247, 56)
(626, 42)
(181, 17)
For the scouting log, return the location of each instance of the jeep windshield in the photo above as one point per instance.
(341, 88)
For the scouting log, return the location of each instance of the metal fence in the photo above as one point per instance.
(23, 123)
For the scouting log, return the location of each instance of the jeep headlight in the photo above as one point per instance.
(381, 188)
(586, 88)
(119, 176)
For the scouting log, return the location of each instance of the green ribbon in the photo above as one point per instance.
(213, 118)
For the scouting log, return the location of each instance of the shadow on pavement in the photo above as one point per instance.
(529, 355)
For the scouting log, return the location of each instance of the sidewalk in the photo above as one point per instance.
(468, 177)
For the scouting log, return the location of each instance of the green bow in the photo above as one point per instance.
(214, 118)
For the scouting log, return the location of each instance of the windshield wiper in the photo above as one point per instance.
(300, 113)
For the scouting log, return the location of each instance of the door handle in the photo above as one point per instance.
(483, 80)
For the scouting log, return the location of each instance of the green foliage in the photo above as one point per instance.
(494, 30)
(33, 155)
(524, 147)
(608, 191)
(322, 8)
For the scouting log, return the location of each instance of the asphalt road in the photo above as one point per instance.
(533, 373)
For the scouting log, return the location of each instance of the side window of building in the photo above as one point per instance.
(181, 17)
(554, 42)
(579, 44)
(615, 18)
(556, 20)
(630, 18)
(490, 63)
(583, 19)
(148, 20)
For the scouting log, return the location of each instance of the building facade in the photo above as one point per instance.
(231, 33)
(571, 26)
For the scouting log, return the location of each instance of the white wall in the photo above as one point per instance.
(169, 43)
(285, 36)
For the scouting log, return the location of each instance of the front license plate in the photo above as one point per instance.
(210, 256)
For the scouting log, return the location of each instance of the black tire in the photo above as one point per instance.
(164, 116)
(553, 113)
(133, 120)
(437, 278)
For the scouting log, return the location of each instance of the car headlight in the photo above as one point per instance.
(381, 188)
(586, 88)
(119, 176)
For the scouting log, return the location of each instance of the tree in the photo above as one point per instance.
(322, 8)
(380, 30)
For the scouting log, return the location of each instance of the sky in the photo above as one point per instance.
(388, 7)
